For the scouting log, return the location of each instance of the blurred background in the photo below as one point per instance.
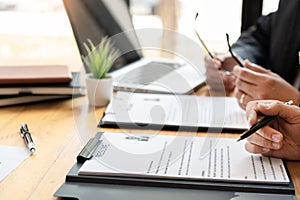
(39, 32)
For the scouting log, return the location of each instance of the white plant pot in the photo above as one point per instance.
(99, 91)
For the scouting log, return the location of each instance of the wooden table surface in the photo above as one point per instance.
(59, 130)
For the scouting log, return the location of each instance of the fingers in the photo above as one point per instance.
(249, 75)
(252, 148)
(243, 97)
(213, 76)
(270, 107)
(265, 140)
(251, 112)
(243, 86)
(249, 81)
(254, 67)
(229, 82)
(290, 153)
(266, 137)
(216, 79)
(228, 63)
(268, 141)
(273, 107)
(212, 63)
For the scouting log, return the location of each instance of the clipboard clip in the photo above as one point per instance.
(87, 152)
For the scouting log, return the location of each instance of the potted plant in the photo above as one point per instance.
(99, 60)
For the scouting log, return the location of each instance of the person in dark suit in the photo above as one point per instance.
(280, 138)
(270, 49)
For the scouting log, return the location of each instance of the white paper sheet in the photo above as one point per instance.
(10, 158)
(175, 110)
(186, 157)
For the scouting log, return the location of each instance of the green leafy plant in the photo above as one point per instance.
(101, 58)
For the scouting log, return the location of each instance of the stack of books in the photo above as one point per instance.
(28, 84)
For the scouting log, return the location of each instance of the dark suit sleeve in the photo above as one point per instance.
(274, 42)
(254, 43)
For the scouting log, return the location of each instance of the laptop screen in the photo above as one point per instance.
(93, 19)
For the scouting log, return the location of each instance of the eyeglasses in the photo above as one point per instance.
(230, 50)
(199, 38)
(211, 55)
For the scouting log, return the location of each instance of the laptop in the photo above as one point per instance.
(93, 19)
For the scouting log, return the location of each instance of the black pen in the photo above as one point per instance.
(25, 134)
(258, 125)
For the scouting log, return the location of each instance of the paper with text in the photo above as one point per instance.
(180, 157)
(175, 110)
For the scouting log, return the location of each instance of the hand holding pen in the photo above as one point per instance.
(259, 124)
(280, 137)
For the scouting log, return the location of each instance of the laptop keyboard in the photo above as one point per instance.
(148, 73)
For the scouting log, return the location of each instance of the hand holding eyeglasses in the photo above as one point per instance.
(219, 65)
(226, 72)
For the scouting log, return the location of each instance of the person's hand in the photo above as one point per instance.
(216, 70)
(257, 83)
(281, 137)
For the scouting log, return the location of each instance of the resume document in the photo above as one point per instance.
(182, 157)
(175, 110)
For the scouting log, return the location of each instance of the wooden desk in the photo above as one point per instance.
(55, 129)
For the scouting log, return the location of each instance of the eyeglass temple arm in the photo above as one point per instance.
(202, 42)
(230, 50)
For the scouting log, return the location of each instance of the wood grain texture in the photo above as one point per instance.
(59, 130)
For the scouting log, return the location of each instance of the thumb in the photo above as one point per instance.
(274, 107)
(255, 67)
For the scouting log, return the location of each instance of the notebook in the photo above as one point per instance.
(92, 19)
(35, 74)
(10, 100)
(70, 88)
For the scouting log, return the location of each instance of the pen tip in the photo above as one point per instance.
(238, 139)
(32, 150)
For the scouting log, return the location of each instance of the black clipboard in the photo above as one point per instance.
(86, 187)
(164, 125)
(144, 126)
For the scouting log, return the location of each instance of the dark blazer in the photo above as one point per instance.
(274, 42)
